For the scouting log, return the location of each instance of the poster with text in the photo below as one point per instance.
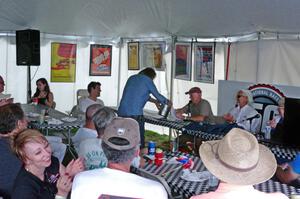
(151, 54)
(100, 60)
(183, 61)
(133, 56)
(63, 62)
(204, 62)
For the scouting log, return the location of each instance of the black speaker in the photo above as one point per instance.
(28, 47)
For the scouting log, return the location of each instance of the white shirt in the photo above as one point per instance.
(82, 134)
(241, 116)
(91, 150)
(86, 102)
(91, 184)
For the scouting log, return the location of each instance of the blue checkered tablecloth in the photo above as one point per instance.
(36, 109)
(282, 152)
(187, 189)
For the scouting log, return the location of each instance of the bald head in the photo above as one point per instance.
(91, 110)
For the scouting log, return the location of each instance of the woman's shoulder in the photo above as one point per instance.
(25, 179)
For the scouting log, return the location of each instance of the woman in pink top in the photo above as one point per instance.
(239, 162)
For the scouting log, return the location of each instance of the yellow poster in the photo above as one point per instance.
(63, 62)
(133, 56)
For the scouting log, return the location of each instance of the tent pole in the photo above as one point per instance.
(119, 74)
(28, 84)
(171, 76)
(257, 57)
(227, 61)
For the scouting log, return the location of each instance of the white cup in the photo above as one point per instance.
(268, 132)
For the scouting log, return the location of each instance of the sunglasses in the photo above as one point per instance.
(239, 96)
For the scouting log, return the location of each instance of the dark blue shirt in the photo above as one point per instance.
(10, 165)
(136, 93)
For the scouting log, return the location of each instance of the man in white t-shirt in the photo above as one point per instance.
(120, 143)
(94, 89)
(89, 129)
(91, 149)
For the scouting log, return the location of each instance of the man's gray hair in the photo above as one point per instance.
(102, 118)
(91, 110)
(249, 95)
(118, 156)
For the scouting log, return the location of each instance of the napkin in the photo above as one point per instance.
(54, 121)
(68, 119)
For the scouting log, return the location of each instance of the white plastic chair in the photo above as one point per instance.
(82, 93)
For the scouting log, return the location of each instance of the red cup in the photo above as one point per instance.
(35, 100)
(159, 155)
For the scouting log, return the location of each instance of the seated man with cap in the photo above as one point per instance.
(197, 109)
(239, 162)
(120, 143)
(289, 173)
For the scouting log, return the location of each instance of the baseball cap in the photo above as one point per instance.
(122, 134)
(193, 90)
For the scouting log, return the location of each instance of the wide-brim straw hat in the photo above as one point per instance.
(238, 158)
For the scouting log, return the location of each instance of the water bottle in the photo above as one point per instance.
(268, 132)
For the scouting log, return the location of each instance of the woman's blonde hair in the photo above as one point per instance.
(19, 141)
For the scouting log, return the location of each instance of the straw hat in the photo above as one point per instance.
(238, 158)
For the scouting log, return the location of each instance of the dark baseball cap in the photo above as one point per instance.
(193, 90)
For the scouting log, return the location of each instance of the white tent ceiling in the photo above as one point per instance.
(144, 18)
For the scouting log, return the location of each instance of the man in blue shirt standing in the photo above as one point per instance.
(135, 95)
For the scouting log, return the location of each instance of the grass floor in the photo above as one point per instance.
(162, 141)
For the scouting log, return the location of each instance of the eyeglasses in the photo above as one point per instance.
(240, 96)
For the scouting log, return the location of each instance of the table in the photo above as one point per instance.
(279, 151)
(187, 189)
(63, 126)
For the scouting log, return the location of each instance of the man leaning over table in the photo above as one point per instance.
(120, 143)
(239, 162)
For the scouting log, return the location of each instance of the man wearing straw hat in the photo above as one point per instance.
(239, 162)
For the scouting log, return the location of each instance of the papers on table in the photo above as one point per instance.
(54, 121)
(68, 119)
(31, 114)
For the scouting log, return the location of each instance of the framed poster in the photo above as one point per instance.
(204, 62)
(100, 60)
(183, 52)
(133, 56)
(63, 62)
(151, 55)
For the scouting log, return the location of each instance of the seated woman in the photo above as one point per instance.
(243, 114)
(41, 176)
(43, 93)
